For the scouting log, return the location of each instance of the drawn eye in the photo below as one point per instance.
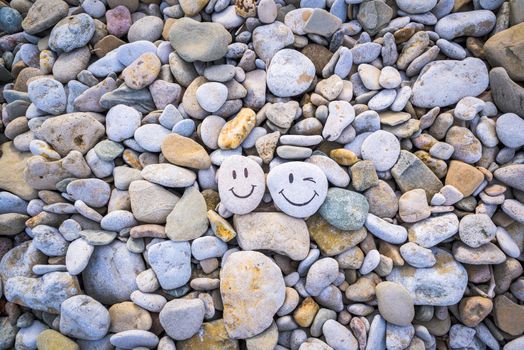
(291, 178)
(309, 179)
(234, 174)
(245, 173)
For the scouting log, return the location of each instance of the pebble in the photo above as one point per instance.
(508, 128)
(271, 38)
(346, 210)
(440, 285)
(211, 96)
(83, 317)
(168, 175)
(290, 73)
(147, 28)
(142, 71)
(249, 278)
(472, 23)
(395, 303)
(381, 147)
(417, 256)
(468, 77)
(48, 95)
(126, 316)
(185, 152)
(172, 272)
(488, 253)
(476, 230)
(182, 318)
(192, 205)
(305, 187)
(134, 338)
(433, 230)
(384, 230)
(320, 275)
(72, 32)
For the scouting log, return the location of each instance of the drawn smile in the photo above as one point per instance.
(247, 195)
(298, 204)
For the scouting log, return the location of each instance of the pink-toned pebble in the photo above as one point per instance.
(118, 21)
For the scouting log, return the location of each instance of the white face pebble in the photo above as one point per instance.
(297, 188)
(241, 184)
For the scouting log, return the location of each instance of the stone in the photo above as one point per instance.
(509, 127)
(142, 72)
(49, 241)
(271, 38)
(474, 310)
(151, 203)
(211, 96)
(320, 275)
(413, 206)
(93, 192)
(395, 303)
(168, 175)
(134, 338)
(433, 230)
(15, 163)
(488, 253)
(171, 263)
(212, 336)
(151, 136)
(415, 8)
(382, 200)
(341, 114)
(290, 73)
(273, 231)
(27, 337)
(511, 175)
(249, 279)
(45, 293)
(467, 147)
(265, 340)
(472, 23)
(185, 152)
(468, 77)
(505, 49)
(386, 231)
(148, 28)
(508, 315)
(417, 256)
(383, 148)
(72, 32)
(374, 15)
(78, 131)
(330, 239)
(47, 95)
(110, 275)
(121, 122)
(69, 64)
(83, 317)
(43, 15)
(236, 130)
(441, 285)
(181, 318)
(322, 22)
(346, 210)
(298, 189)
(463, 177)
(188, 220)
(410, 173)
(10, 20)
(192, 8)
(118, 21)
(476, 230)
(338, 336)
(507, 94)
(199, 41)
(50, 339)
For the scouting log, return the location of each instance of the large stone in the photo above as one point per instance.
(468, 77)
(111, 273)
(182, 318)
(83, 317)
(20, 260)
(252, 289)
(45, 293)
(508, 315)
(411, 173)
(290, 73)
(150, 202)
(433, 230)
(441, 285)
(44, 14)
(506, 49)
(188, 220)
(74, 131)
(469, 23)
(464, 177)
(276, 232)
(14, 163)
(171, 262)
(395, 303)
(511, 175)
(212, 336)
(199, 41)
(269, 39)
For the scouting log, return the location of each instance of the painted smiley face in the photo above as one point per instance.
(241, 184)
(298, 189)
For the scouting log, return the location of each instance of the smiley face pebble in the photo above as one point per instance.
(241, 184)
(298, 189)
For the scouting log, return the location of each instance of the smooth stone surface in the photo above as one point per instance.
(72, 32)
(505, 49)
(468, 77)
(488, 253)
(188, 220)
(507, 94)
(346, 210)
(252, 289)
(48, 95)
(290, 73)
(298, 189)
(386, 231)
(395, 303)
(476, 230)
(510, 130)
(431, 231)
(151, 203)
(273, 231)
(331, 240)
(111, 272)
(182, 318)
(441, 285)
(471, 23)
(168, 175)
(83, 317)
(171, 263)
(381, 147)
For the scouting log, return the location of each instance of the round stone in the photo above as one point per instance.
(83, 317)
(298, 189)
(510, 130)
(182, 318)
(344, 209)
(290, 73)
(72, 32)
(211, 96)
(381, 147)
(48, 95)
(241, 184)
(476, 230)
(121, 122)
(395, 303)
(416, 7)
(148, 28)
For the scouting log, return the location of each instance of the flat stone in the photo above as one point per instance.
(374, 15)
(151, 203)
(506, 49)
(509, 128)
(142, 72)
(468, 77)
(93, 192)
(14, 162)
(418, 7)
(290, 73)
(395, 303)
(248, 281)
(269, 39)
(134, 338)
(511, 175)
(433, 230)
(331, 240)
(476, 230)
(72, 32)
(213, 335)
(110, 276)
(413, 206)
(48, 95)
(441, 285)
(188, 220)
(185, 152)
(51, 339)
(463, 177)
(273, 231)
(467, 147)
(488, 253)
(83, 317)
(211, 96)
(381, 147)
(199, 41)
(171, 263)
(297, 188)
(151, 136)
(508, 315)
(46, 293)
(507, 94)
